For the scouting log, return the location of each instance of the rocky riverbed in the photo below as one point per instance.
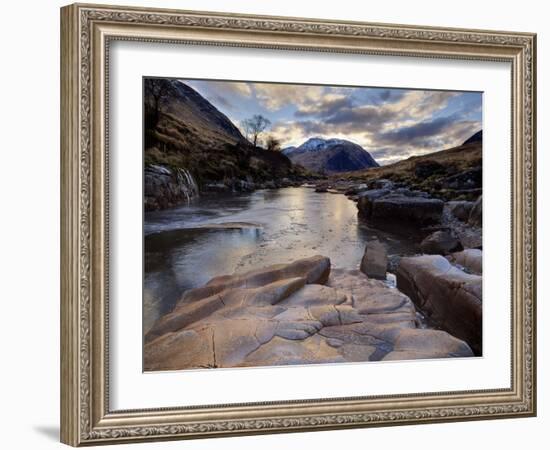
(379, 301)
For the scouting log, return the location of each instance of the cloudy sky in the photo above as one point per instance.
(391, 124)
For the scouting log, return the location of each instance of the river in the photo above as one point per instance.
(181, 252)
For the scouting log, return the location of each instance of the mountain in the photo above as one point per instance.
(330, 155)
(476, 137)
(184, 131)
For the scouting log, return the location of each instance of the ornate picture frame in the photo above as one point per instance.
(86, 34)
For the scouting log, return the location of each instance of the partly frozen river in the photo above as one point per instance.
(182, 251)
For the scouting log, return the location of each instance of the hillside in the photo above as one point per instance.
(185, 131)
(330, 156)
(455, 173)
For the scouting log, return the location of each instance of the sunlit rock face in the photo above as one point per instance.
(297, 313)
(449, 295)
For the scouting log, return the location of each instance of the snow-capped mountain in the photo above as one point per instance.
(330, 155)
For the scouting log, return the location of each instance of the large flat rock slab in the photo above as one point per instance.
(298, 313)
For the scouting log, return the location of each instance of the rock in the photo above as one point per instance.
(375, 260)
(471, 238)
(244, 185)
(292, 314)
(410, 344)
(471, 259)
(460, 209)
(217, 187)
(467, 179)
(476, 215)
(270, 185)
(321, 188)
(410, 193)
(447, 295)
(416, 211)
(382, 183)
(354, 190)
(314, 270)
(367, 198)
(440, 243)
(393, 263)
(166, 187)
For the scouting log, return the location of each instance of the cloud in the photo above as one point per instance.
(225, 87)
(276, 96)
(391, 124)
(222, 93)
(417, 132)
(427, 137)
(388, 147)
(397, 109)
(326, 106)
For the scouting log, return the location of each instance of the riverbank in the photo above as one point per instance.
(168, 186)
(230, 234)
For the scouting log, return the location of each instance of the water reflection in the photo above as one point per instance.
(292, 223)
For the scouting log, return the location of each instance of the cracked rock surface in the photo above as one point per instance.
(297, 313)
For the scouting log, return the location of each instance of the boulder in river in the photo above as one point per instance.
(449, 296)
(356, 189)
(460, 209)
(440, 242)
(383, 205)
(471, 259)
(382, 183)
(298, 313)
(366, 199)
(375, 260)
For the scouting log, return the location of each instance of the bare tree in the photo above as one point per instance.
(157, 90)
(255, 126)
(273, 144)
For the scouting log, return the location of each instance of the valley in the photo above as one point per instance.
(308, 254)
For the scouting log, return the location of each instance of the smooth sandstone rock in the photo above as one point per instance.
(447, 295)
(375, 260)
(471, 259)
(315, 270)
(440, 242)
(262, 318)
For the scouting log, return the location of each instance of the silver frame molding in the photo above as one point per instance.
(86, 31)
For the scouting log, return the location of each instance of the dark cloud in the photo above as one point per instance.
(326, 107)
(417, 133)
(364, 118)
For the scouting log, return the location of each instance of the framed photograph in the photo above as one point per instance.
(279, 224)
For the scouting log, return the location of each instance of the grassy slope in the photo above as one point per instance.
(188, 135)
(454, 161)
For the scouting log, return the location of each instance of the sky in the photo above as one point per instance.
(391, 124)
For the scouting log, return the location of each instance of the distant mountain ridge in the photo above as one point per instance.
(330, 155)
